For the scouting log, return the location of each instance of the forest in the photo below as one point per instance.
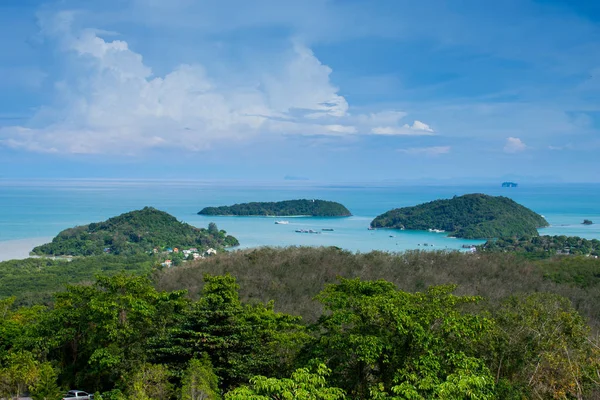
(313, 208)
(313, 323)
(472, 216)
(139, 231)
(544, 246)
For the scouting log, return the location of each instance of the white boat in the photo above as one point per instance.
(436, 230)
(282, 222)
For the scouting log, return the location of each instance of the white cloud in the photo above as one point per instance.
(417, 128)
(341, 128)
(514, 145)
(427, 151)
(114, 103)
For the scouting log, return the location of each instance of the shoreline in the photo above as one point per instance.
(18, 249)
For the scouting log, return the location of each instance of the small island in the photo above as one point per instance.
(587, 222)
(510, 184)
(288, 208)
(142, 231)
(472, 216)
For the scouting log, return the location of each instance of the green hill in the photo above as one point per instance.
(134, 232)
(314, 208)
(472, 216)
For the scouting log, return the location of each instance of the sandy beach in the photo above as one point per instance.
(19, 249)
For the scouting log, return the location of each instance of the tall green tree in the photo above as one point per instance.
(242, 340)
(150, 382)
(200, 381)
(379, 340)
(100, 333)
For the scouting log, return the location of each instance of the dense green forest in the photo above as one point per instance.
(35, 280)
(472, 216)
(544, 246)
(134, 232)
(314, 208)
(123, 338)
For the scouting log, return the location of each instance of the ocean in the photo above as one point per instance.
(33, 211)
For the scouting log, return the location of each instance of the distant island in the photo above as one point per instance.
(509, 184)
(141, 231)
(472, 216)
(544, 246)
(313, 208)
(587, 222)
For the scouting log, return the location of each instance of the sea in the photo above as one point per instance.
(33, 211)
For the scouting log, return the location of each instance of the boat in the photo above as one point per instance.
(327, 229)
(282, 222)
(436, 230)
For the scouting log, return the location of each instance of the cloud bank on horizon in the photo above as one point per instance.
(124, 78)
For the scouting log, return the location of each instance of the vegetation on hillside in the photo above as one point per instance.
(472, 216)
(293, 276)
(123, 339)
(35, 280)
(134, 232)
(543, 246)
(314, 208)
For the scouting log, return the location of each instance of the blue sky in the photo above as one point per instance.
(327, 90)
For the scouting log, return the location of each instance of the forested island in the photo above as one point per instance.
(336, 325)
(472, 216)
(304, 207)
(140, 231)
(544, 246)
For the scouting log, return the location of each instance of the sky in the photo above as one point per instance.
(318, 90)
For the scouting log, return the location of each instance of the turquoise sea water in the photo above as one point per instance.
(43, 208)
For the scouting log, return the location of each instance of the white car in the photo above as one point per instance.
(78, 395)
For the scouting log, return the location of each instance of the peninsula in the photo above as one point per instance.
(312, 208)
(472, 216)
(141, 231)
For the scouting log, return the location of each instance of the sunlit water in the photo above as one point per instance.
(44, 208)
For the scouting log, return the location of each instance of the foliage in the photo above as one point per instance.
(200, 381)
(20, 370)
(132, 233)
(242, 340)
(150, 382)
(373, 339)
(377, 338)
(544, 246)
(34, 280)
(315, 208)
(304, 384)
(99, 333)
(541, 345)
(293, 276)
(46, 386)
(472, 216)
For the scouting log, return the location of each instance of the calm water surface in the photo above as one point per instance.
(41, 209)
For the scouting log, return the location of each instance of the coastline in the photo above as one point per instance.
(19, 249)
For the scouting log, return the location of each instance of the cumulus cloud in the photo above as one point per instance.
(427, 151)
(116, 104)
(514, 145)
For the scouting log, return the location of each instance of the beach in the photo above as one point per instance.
(20, 248)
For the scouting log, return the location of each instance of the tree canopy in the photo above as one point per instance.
(314, 208)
